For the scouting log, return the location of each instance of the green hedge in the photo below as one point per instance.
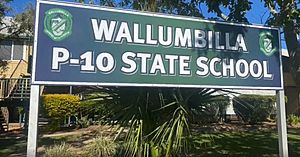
(293, 120)
(254, 108)
(213, 111)
(59, 106)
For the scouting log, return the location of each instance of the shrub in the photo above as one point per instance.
(101, 147)
(213, 111)
(96, 105)
(84, 122)
(293, 120)
(254, 108)
(62, 150)
(59, 106)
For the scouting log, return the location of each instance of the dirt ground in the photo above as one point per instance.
(13, 142)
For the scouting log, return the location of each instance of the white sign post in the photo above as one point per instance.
(33, 120)
(281, 124)
(34, 98)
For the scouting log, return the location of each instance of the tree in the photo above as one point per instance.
(23, 24)
(284, 14)
(237, 9)
(4, 8)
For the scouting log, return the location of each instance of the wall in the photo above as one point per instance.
(22, 69)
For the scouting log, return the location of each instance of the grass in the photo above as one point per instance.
(246, 143)
(12, 146)
(16, 143)
(249, 143)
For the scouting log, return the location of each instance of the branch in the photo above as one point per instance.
(272, 9)
(261, 17)
(2, 28)
(221, 14)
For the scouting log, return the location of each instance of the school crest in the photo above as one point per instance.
(266, 43)
(58, 24)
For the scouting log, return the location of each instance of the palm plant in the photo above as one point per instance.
(158, 118)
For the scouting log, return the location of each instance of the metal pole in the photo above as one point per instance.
(71, 90)
(281, 124)
(33, 120)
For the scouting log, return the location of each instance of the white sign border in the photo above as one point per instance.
(76, 5)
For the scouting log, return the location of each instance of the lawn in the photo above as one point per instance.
(250, 142)
(12, 144)
(246, 143)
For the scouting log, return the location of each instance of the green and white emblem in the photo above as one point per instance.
(266, 43)
(58, 24)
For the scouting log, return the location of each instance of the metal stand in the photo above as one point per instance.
(281, 124)
(33, 120)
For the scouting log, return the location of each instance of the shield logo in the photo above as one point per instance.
(266, 42)
(268, 45)
(58, 24)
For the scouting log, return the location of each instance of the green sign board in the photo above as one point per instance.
(90, 45)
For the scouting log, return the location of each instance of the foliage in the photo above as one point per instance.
(24, 23)
(237, 9)
(4, 8)
(213, 111)
(178, 7)
(92, 108)
(159, 118)
(286, 14)
(58, 106)
(21, 25)
(293, 120)
(62, 150)
(3, 66)
(101, 147)
(253, 108)
(84, 122)
(20, 109)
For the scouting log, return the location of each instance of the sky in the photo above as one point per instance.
(19, 5)
(254, 16)
(257, 15)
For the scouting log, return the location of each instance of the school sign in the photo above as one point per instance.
(86, 45)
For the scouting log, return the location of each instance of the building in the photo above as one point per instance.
(15, 56)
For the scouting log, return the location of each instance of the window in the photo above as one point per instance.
(11, 50)
(18, 50)
(5, 50)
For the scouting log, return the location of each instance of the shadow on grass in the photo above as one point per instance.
(252, 143)
(10, 146)
(247, 143)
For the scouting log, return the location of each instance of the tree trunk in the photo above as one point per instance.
(293, 47)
